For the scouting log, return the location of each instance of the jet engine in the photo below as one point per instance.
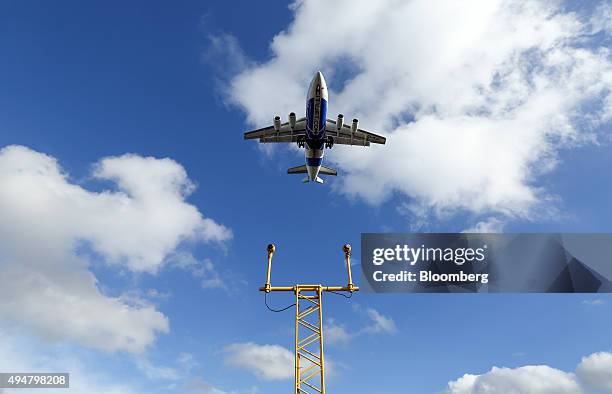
(277, 123)
(339, 122)
(354, 125)
(292, 120)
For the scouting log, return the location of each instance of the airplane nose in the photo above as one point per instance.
(319, 81)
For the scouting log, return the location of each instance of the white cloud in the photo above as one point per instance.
(187, 362)
(533, 379)
(490, 225)
(602, 18)
(152, 201)
(597, 302)
(225, 55)
(476, 97)
(269, 362)
(336, 334)
(376, 323)
(158, 295)
(92, 375)
(199, 386)
(18, 354)
(379, 323)
(157, 372)
(205, 269)
(596, 371)
(593, 374)
(45, 282)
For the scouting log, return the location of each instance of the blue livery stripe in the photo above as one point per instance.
(310, 121)
(314, 161)
(323, 116)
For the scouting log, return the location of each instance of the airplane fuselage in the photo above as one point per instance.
(315, 133)
(316, 116)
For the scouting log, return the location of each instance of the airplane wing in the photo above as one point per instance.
(284, 134)
(345, 136)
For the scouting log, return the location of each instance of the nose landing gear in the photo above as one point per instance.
(301, 142)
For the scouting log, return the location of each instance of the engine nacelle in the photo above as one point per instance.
(292, 120)
(339, 122)
(277, 123)
(354, 125)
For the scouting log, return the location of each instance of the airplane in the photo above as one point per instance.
(315, 132)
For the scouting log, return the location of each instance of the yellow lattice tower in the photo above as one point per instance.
(309, 350)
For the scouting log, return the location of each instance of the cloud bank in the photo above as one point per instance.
(45, 280)
(477, 98)
(25, 355)
(593, 375)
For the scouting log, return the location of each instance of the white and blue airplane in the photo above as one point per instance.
(315, 132)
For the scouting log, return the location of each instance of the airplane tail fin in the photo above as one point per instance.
(303, 170)
(297, 170)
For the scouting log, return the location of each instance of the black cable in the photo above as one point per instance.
(292, 305)
(275, 310)
(343, 295)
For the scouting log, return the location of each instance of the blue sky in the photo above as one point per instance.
(83, 82)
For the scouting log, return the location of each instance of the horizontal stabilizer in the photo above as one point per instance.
(297, 170)
(327, 171)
